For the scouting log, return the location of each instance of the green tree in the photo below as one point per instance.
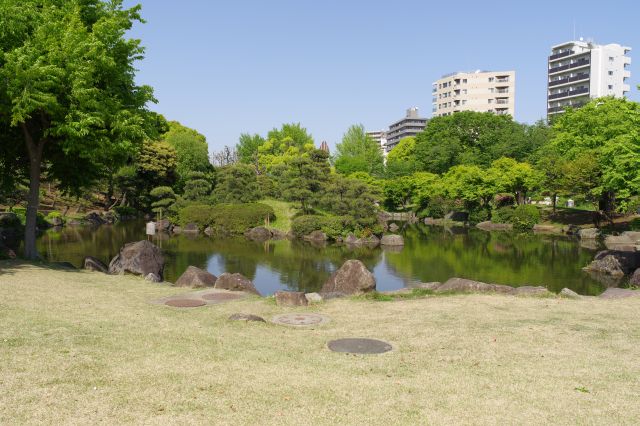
(608, 131)
(508, 175)
(164, 200)
(398, 192)
(283, 145)
(346, 196)
(247, 148)
(401, 160)
(305, 177)
(358, 153)
(191, 150)
(198, 186)
(237, 183)
(67, 82)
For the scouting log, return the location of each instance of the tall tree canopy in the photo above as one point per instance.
(358, 153)
(191, 150)
(401, 160)
(68, 96)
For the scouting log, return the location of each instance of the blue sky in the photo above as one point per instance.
(246, 66)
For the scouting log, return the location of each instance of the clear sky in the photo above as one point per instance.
(246, 66)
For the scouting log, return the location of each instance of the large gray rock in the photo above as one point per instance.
(634, 236)
(196, 278)
(235, 282)
(191, 228)
(291, 298)
(619, 243)
(589, 233)
(635, 278)
(462, 285)
(316, 236)
(314, 298)
(370, 241)
(93, 264)
(140, 258)
(163, 225)
(153, 278)
(490, 226)
(352, 278)
(351, 239)
(259, 233)
(528, 290)
(615, 262)
(392, 240)
(619, 293)
(569, 294)
(95, 219)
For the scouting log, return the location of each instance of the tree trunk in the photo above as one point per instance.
(554, 201)
(33, 199)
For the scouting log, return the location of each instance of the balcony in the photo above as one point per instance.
(579, 63)
(502, 80)
(502, 101)
(561, 55)
(578, 77)
(554, 110)
(502, 91)
(568, 93)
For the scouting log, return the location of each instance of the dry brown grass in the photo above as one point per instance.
(84, 348)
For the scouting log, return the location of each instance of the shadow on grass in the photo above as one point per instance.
(11, 267)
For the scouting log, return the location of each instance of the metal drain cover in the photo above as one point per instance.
(221, 296)
(185, 303)
(300, 320)
(359, 346)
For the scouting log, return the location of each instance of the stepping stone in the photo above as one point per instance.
(221, 297)
(300, 320)
(359, 346)
(185, 303)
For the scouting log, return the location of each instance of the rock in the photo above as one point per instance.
(259, 233)
(427, 286)
(470, 286)
(291, 298)
(163, 225)
(615, 262)
(370, 241)
(634, 236)
(392, 240)
(314, 298)
(352, 278)
(153, 278)
(635, 278)
(528, 290)
(430, 221)
(569, 294)
(95, 219)
(277, 234)
(351, 239)
(316, 236)
(619, 243)
(139, 258)
(589, 233)
(333, 295)
(191, 228)
(109, 217)
(393, 227)
(176, 230)
(208, 231)
(619, 293)
(490, 226)
(93, 264)
(546, 229)
(235, 282)
(73, 222)
(246, 317)
(196, 278)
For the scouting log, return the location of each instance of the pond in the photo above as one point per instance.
(429, 254)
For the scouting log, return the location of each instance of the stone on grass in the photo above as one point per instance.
(392, 240)
(569, 294)
(196, 278)
(313, 298)
(635, 278)
(246, 317)
(139, 258)
(353, 277)
(427, 286)
(528, 290)
(235, 282)
(153, 278)
(93, 264)
(291, 298)
(619, 293)
(464, 285)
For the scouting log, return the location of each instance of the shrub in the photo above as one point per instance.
(634, 225)
(333, 226)
(41, 222)
(226, 218)
(478, 215)
(502, 214)
(524, 217)
(125, 211)
(10, 221)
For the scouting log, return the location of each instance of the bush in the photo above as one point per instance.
(333, 226)
(10, 221)
(634, 225)
(125, 211)
(524, 217)
(41, 222)
(502, 215)
(226, 218)
(478, 215)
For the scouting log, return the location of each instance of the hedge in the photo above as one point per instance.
(226, 218)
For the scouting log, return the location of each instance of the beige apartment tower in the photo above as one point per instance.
(480, 91)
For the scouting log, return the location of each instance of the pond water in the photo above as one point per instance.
(429, 254)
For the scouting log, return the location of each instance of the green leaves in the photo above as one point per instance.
(358, 153)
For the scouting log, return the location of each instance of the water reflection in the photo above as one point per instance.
(429, 254)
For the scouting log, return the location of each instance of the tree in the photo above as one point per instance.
(345, 196)
(236, 184)
(67, 82)
(606, 133)
(358, 153)
(282, 146)
(401, 160)
(164, 200)
(198, 186)
(516, 178)
(192, 151)
(398, 192)
(225, 157)
(305, 178)
(247, 148)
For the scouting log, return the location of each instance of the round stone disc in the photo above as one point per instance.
(300, 320)
(185, 303)
(359, 346)
(219, 297)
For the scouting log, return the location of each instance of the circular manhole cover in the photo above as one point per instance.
(221, 296)
(300, 320)
(359, 346)
(185, 303)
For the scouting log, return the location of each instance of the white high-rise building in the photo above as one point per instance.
(380, 136)
(480, 91)
(582, 70)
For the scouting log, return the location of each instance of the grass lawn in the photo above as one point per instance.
(284, 213)
(83, 348)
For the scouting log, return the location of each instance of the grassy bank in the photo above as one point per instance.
(79, 347)
(284, 214)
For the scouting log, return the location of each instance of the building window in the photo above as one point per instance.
(464, 80)
(610, 72)
(491, 79)
(464, 91)
(610, 58)
(490, 101)
(610, 87)
(464, 102)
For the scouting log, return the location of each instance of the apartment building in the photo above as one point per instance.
(581, 70)
(480, 91)
(380, 136)
(410, 125)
